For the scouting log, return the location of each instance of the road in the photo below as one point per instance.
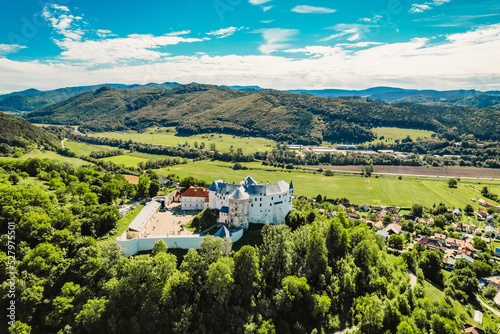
(62, 142)
(488, 306)
(413, 278)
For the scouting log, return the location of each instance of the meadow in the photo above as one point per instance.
(169, 136)
(386, 189)
(49, 155)
(86, 148)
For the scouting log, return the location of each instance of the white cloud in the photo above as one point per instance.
(305, 9)
(419, 8)
(112, 50)
(465, 60)
(373, 19)
(415, 8)
(275, 39)
(267, 21)
(10, 48)
(104, 33)
(63, 23)
(224, 32)
(258, 2)
(266, 8)
(353, 32)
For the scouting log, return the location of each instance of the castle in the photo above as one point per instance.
(250, 202)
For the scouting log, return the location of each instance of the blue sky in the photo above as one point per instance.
(311, 44)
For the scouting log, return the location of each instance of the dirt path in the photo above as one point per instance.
(413, 278)
(488, 306)
(62, 142)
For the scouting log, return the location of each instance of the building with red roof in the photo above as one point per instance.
(194, 198)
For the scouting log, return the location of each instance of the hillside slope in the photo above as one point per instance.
(16, 132)
(300, 118)
(32, 99)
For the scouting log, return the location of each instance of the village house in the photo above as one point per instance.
(454, 243)
(489, 231)
(393, 229)
(364, 208)
(440, 237)
(431, 243)
(194, 198)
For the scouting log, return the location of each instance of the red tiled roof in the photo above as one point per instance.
(206, 200)
(195, 192)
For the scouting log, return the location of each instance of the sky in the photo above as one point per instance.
(280, 44)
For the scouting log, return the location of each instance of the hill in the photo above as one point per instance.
(479, 101)
(32, 99)
(298, 118)
(18, 133)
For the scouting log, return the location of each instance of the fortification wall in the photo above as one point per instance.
(133, 246)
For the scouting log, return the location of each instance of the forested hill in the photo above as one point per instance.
(298, 118)
(17, 133)
(30, 99)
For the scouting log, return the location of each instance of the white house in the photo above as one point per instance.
(194, 199)
(251, 202)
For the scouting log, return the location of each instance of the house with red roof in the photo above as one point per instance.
(194, 198)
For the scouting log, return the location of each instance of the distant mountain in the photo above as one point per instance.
(32, 99)
(298, 118)
(15, 132)
(479, 101)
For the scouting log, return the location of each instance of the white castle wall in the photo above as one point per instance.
(133, 246)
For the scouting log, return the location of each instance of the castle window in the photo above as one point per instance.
(261, 199)
(260, 204)
(270, 204)
(271, 198)
(252, 205)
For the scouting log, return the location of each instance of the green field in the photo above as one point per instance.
(387, 190)
(85, 148)
(392, 134)
(168, 136)
(49, 155)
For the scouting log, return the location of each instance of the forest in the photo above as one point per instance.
(282, 116)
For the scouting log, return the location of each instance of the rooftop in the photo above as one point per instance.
(195, 192)
(144, 216)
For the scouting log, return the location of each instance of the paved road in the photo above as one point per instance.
(413, 278)
(488, 306)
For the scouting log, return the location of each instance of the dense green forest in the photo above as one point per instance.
(19, 136)
(283, 116)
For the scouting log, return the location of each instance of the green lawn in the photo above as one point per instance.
(392, 134)
(126, 160)
(168, 136)
(388, 190)
(85, 148)
(121, 226)
(435, 293)
(49, 155)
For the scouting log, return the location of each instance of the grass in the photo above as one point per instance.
(121, 226)
(392, 134)
(49, 155)
(169, 136)
(435, 294)
(85, 149)
(387, 190)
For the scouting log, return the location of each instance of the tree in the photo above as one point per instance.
(154, 187)
(369, 314)
(319, 198)
(485, 192)
(387, 219)
(24, 175)
(469, 210)
(14, 178)
(220, 279)
(431, 264)
(159, 247)
(404, 328)
(452, 183)
(143, 186)
(417, 210)
(19, 328)
(396, 241)
(329, 172)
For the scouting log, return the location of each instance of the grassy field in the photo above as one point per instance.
(392, 134)
(435, 294)
(169, 136)
(121, 226)
(85, 148)
(126, 160)
(387, 190)
(49, 155)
